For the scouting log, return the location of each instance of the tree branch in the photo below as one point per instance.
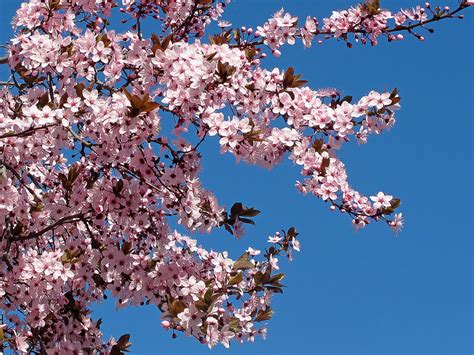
(4, 60)
(59, 222)
(20, 179)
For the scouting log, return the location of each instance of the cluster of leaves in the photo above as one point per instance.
(139, 104)
(290, 80)
(122, 345)
(238, 213)
(160, 44)
(225, 71)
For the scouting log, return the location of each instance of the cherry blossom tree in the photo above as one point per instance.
(100, 131)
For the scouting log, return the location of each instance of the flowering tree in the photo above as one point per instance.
(99, 146)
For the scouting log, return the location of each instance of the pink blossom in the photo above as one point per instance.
(381, 200)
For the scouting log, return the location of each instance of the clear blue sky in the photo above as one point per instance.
(368, 291)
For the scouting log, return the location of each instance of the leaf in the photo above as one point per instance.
(324, 166)
(277, 278)
(63, 100)
(373, 6)
(258, 278)
(394, 204)
(264, 315)
(126, 247)
(275, 289)
(79, 89)
(135, 100)
(99, 281)
(347, 98)
(243, 262)
(236, 209)
(139, 104)
(166, 42)
(250, 53)
(246, 220)
(229, 229)
(250, 212)
(124, 341)
(122, 345)
(236, 279)
(54, 4)
(118, 188)
(66, 257)
(201, 305)
(288, 77)
(150, 106)
(64, 181)
(298, 83)
(292, 233)
(318, 145)
(73, 173)
(211, 56)
(176, 307)
(208, 295)
(43, 100)
(155, 39)
(224, 70)
(234, 324)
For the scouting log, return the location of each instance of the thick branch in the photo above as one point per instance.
(4, 60)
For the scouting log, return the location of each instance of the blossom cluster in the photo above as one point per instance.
(365, 22)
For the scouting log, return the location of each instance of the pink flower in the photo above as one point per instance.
(381, 200)
(273, 262)
(275, 238)
(101, 53)
(397, 223)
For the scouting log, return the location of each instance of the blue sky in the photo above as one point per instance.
(368, 291)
